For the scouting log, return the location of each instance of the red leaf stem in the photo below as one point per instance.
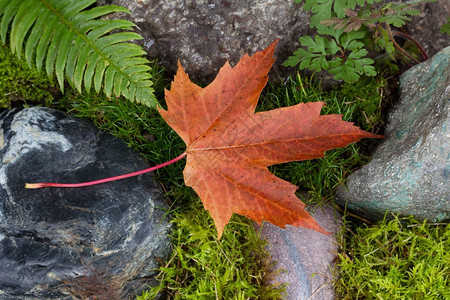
(74, 185)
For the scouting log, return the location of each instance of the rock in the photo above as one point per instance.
(203, 35)
(425, 27)
(306, 258)
(101, 241)
(409, 172)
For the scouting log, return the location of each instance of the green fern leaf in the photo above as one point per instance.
(68, 40)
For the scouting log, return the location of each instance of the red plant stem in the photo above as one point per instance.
(388, 29)
(407, 36)
(74, 185)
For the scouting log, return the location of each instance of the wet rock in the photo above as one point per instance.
(409, 172)
(56, 243)
(203, 35)
(306, 258)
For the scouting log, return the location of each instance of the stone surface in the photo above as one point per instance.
(74, 243)
(305, 257)
(203, 35)
(410, 170)
(425, 27)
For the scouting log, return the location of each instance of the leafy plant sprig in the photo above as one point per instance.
(341, 54)
(339, 19)
(379, 21)
(66, 38)
(395, 14)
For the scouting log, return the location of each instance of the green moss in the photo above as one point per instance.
(201, 267)
(19, 82)
(365, 96)
(397, 259)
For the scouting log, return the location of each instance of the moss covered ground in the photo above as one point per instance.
(399, 258)
(19, 83)
(372, 257)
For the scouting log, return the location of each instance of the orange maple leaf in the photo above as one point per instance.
(229, 146)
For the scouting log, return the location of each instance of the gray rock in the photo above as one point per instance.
(203, 35)
(57, 243)
(306, 258)
(409, 172)
(425, 27)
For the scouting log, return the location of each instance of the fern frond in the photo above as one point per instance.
(68, 40)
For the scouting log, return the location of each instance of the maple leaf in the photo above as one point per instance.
(229, 146)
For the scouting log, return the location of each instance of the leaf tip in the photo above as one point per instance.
(180, 69)
(317, 228)
(370, 135)
(323, 231)
(271, 47)
(181, 74)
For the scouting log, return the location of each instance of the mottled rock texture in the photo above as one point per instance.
(425, 27)
(59, 243)
(203, 35)
(410, 170)
(306, 258)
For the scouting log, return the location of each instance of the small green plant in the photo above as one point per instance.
(345, 34)
(341, 54)
(396, 259)
(66, 38)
